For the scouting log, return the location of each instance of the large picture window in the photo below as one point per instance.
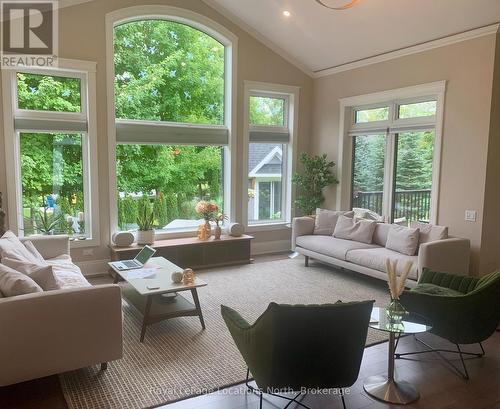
(271, 125)
(172, 138)
(52, 184)
(394, 160)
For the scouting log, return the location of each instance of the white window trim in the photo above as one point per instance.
(230, 42)
(292, 94)
(86, 71)
(395, 97)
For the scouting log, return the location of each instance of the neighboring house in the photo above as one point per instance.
(264, 181)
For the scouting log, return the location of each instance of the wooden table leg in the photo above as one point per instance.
(146, 316)
(198, 306)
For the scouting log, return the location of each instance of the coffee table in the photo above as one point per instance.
(386, 388)
(146, 290)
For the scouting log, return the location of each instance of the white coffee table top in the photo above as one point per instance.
(157, 272)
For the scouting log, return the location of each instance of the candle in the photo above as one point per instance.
(81, 217)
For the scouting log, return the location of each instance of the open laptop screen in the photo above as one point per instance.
(145, 254)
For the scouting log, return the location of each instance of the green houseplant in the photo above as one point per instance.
(316, 175)
(145, 222)
(47, 222)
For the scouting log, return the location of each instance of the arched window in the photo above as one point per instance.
(171, 83)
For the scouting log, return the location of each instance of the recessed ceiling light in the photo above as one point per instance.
(286, 13)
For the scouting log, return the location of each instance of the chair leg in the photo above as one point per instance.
(306, 261)
(104, 366)
(343, 401)
(464, 374)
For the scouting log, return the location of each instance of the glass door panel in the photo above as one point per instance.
(413, 177)
(368, 172)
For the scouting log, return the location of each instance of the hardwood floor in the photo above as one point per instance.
(440, 387)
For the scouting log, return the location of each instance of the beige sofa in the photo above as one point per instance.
(446, 255)
(56, 331)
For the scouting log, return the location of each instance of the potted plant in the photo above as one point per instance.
(317, 175)
(145, 223)
(47, 222)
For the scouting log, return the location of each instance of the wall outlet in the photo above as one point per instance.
(88, 252)
(470, 215)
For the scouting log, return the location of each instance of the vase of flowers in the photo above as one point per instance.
(218, 230)
(395, 310)
(209, 212)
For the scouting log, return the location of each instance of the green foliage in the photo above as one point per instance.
(368, 172)
(146, 217)
(160, 210)
(317, 174)
(47, 222)
(48, 93)
(168, 71)
(267, 111)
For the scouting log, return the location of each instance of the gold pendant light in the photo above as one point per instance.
(344, 7)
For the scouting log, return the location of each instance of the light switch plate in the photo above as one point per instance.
(470, 215)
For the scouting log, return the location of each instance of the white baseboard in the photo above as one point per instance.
(268, 247)
(93, 267)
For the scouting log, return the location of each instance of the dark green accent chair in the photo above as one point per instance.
(291, 347)
(461, 309)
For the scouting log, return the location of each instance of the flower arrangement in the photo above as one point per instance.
(397, 284)
(220, 218)
(208, 210)
(395, 310)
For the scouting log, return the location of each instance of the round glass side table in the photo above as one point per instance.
(386, 388)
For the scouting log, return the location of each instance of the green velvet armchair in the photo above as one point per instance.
(461, 309)
(300, 347)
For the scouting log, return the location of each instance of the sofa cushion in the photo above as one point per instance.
(402, 239)
(11, 244)
(68, 275)
(432, 289)
(42, 274)
(354, 229)
(430, 232)
(380, 234)
(368, 214)
(14, 283)
(34, 252)
(375, 259)
(325, 221)
(330, 246)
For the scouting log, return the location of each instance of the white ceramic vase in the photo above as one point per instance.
(145, 237)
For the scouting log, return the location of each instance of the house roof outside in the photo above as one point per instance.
(262, 161)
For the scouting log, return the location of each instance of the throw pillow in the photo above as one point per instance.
(34, 252)
(14, 283)
(354, 229)
(326, 220)
(42, 274)
(11, 244)
(402, 239)
(430, 232)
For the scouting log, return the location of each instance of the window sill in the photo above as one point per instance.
(90, 242)
(267, 226)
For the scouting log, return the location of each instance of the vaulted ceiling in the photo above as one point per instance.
(317, 38)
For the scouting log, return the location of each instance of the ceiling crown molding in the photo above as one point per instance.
(418, 48)
(255, 34)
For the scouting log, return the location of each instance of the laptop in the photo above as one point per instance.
(138, 262)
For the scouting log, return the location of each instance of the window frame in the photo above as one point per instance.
(53, 122)
(291, 96)
(395, 125)
(230, 43)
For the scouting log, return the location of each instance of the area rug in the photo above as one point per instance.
(178, 359)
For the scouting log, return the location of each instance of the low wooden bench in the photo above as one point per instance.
(194, 253)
